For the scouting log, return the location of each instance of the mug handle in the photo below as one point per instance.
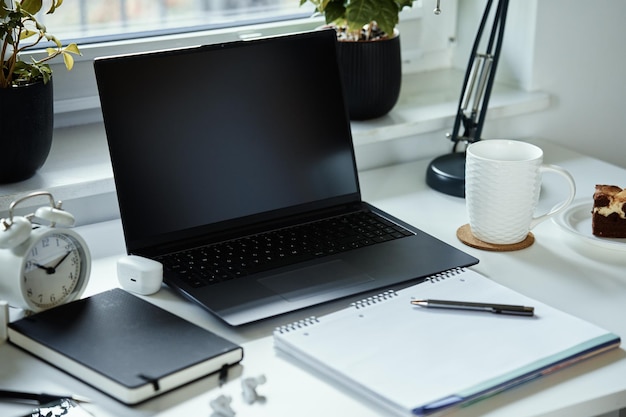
(560, 207)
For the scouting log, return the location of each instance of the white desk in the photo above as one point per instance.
(559, 269)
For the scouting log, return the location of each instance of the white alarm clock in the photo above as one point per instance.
(42, 263)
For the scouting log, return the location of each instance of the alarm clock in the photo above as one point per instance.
(43, 263)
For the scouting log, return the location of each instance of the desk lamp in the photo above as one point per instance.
(446, 173)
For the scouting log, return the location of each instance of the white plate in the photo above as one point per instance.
(576, 219)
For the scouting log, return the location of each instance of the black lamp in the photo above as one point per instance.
(446, 173)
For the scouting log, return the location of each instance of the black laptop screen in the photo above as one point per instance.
(203, 138)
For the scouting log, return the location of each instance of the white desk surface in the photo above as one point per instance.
(559, 269)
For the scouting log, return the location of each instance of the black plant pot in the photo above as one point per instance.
(26, 124)
(372, 76)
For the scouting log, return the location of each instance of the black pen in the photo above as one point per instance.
(466, 305)
(36, 398)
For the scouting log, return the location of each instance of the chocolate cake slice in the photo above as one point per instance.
(609, 211)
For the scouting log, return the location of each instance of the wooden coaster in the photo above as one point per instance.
(464, 233)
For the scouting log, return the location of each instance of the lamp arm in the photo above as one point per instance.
(446, 173)
(479, 78)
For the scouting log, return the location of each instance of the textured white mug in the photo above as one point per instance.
(502, 184)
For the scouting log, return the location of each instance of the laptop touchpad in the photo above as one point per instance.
(313, 280)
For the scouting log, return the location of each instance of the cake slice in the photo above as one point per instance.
(609, 211)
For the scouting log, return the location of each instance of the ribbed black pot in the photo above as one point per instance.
(372, 76)
(26, 124)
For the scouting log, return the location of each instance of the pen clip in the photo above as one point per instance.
(514, 310)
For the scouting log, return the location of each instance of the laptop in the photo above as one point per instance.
(220, 150)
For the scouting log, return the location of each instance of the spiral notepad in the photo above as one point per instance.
(417, 361)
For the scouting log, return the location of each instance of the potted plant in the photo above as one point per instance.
(368, 51)
(26, 100)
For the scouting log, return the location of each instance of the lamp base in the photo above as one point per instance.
(446, 174)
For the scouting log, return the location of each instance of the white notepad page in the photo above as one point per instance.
(407, 357)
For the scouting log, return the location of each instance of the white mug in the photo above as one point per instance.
(502, 184)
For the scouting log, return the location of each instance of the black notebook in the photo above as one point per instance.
(124, 346)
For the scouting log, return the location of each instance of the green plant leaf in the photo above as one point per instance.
(404, 3)
(362, 12)
(54, 6)
(325, 3)
(31, 6)
(73, 48)
(388, 17)
(46, 73)
(68, 59)
(27, 34)
(8, 37)
(335, 12)
(21, 18)
(4, 9)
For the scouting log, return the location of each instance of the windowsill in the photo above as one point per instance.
(428, 103)
(79, 168)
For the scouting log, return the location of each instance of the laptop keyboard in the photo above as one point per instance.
(235, 258)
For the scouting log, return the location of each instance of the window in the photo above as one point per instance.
(97, 20)
(110, 27)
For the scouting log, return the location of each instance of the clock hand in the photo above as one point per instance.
(48, 269)
(61, 260)
(53, 269)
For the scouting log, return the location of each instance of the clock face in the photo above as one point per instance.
(53, 270)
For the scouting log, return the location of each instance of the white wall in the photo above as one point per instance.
(576, 51)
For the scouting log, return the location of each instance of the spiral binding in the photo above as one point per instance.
(369, 301)
(374, 299)
(444, 275)
(297, 325)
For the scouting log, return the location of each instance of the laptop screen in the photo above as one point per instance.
(206, 138)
